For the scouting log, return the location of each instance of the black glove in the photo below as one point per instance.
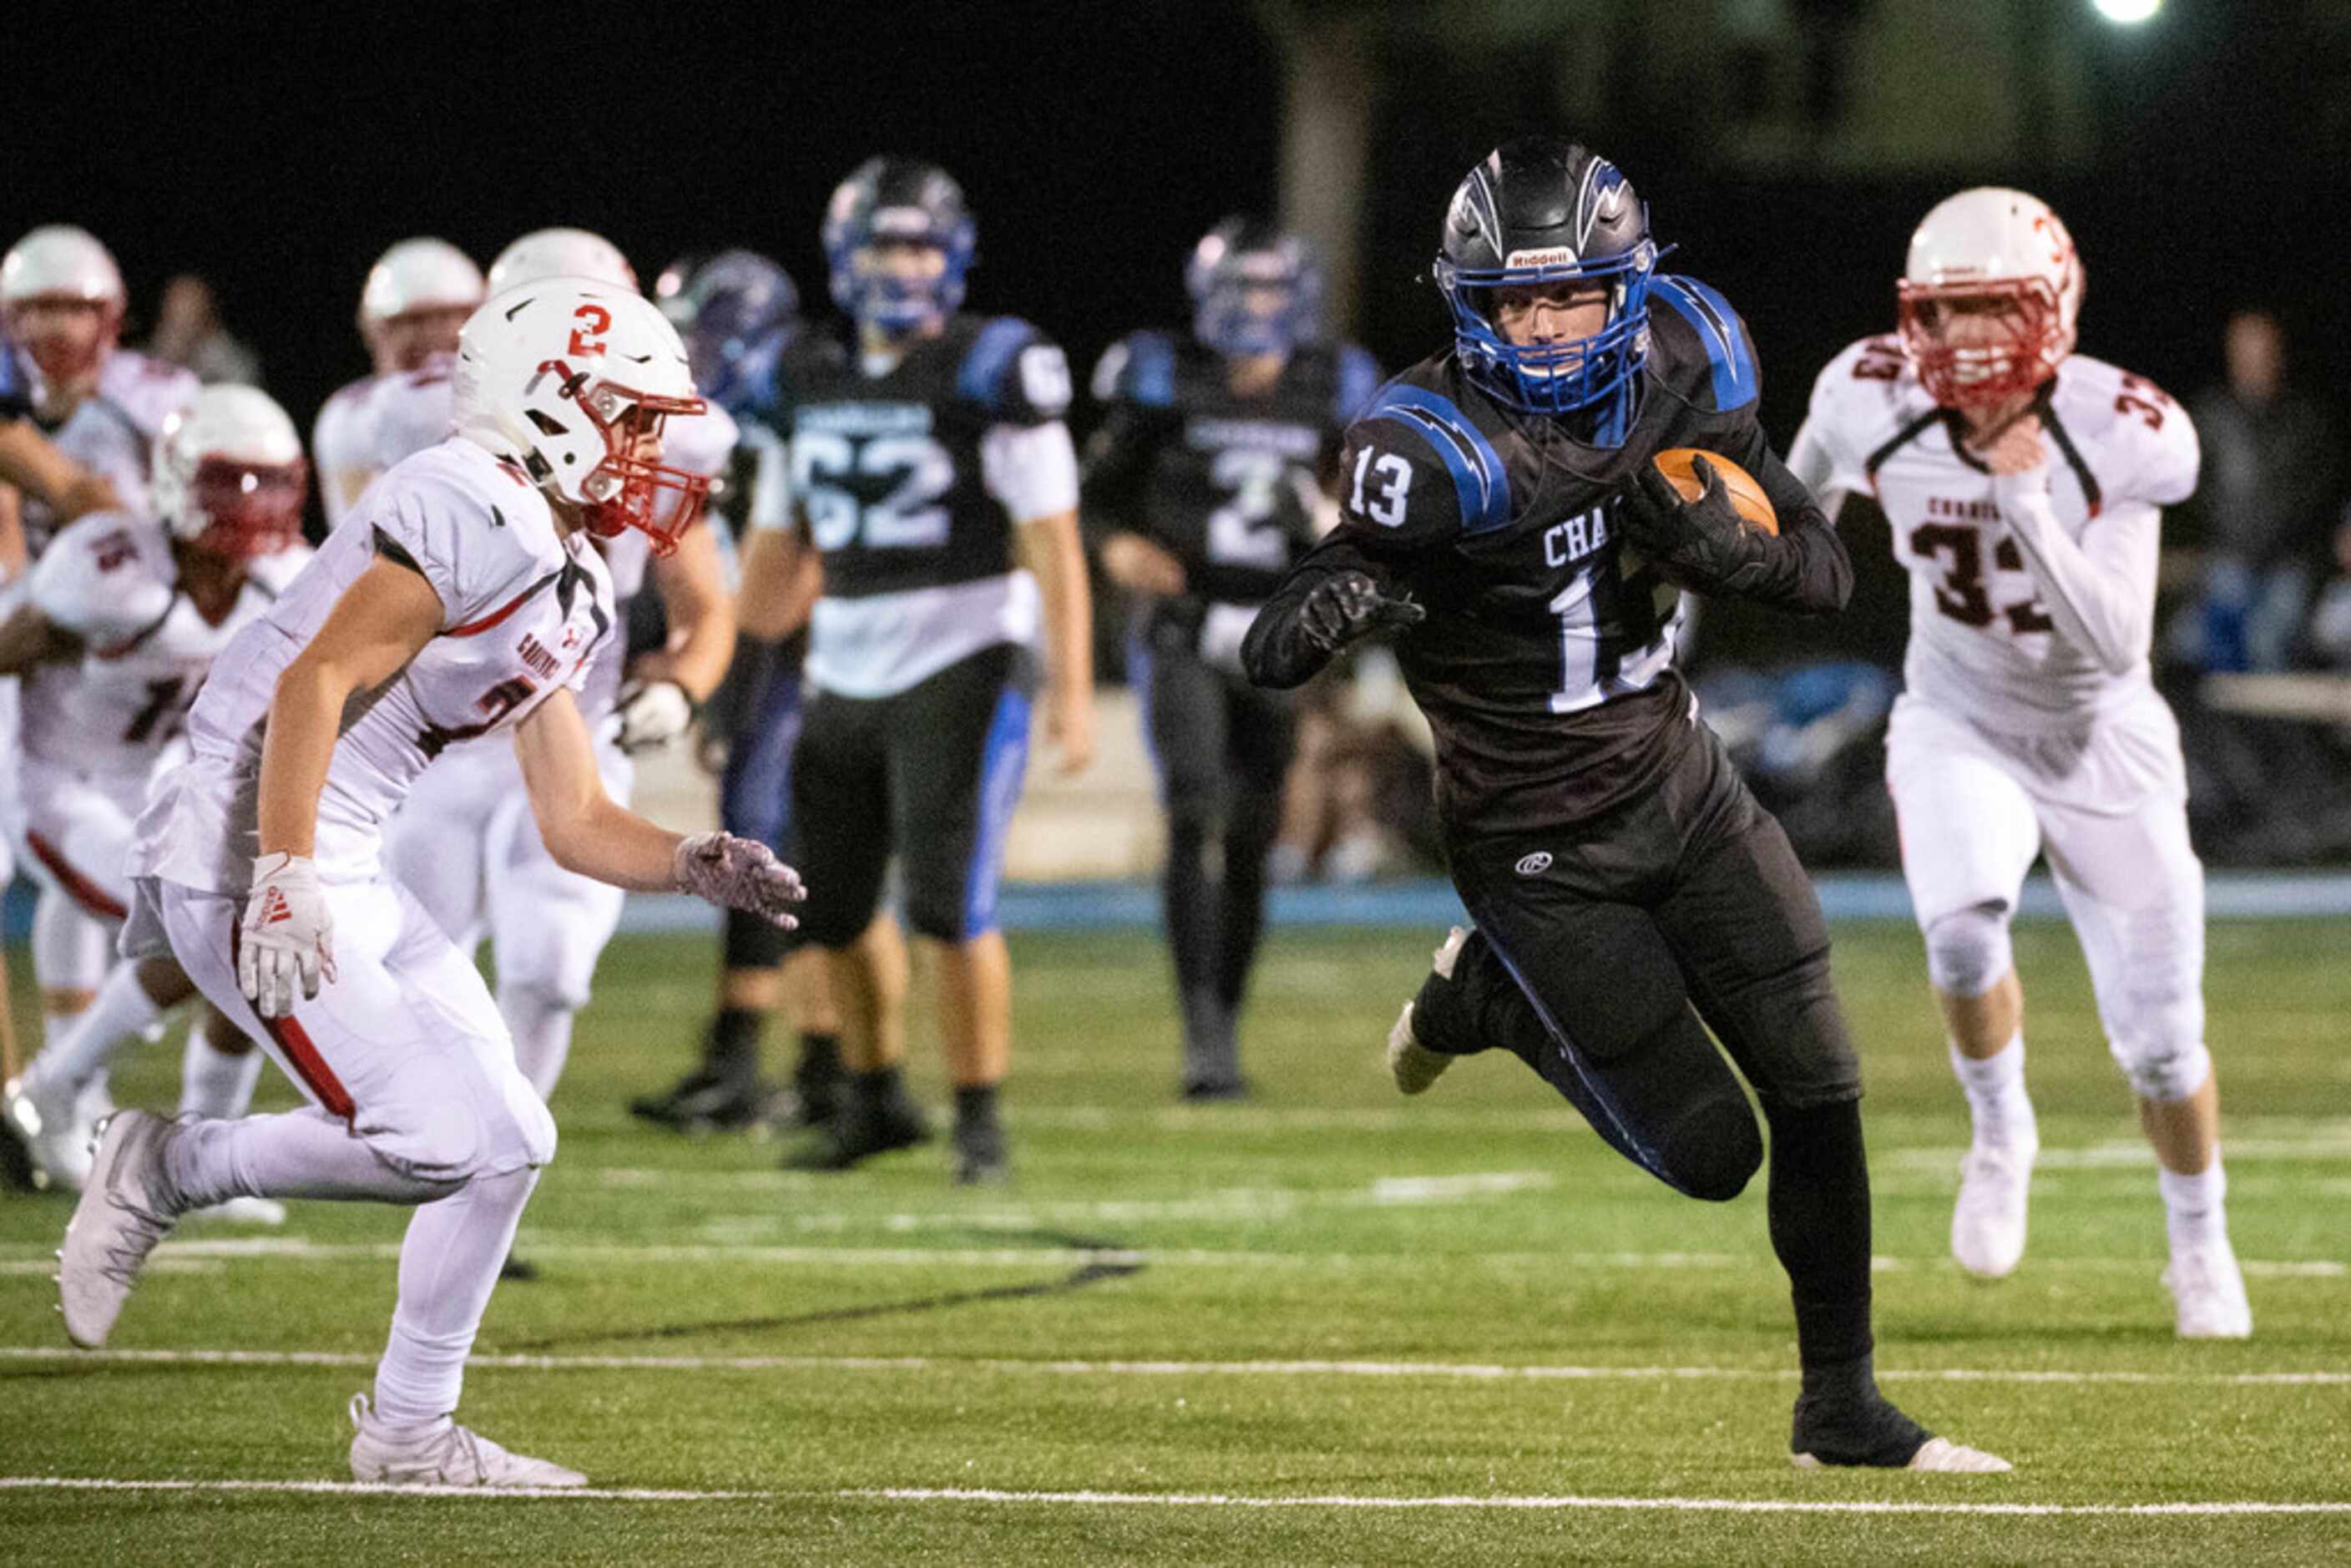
(1703, 544)
(1338, 610)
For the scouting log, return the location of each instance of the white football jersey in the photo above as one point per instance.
(408, 411)
(524, 611)
(112, 432)
(110, 581)
(342, 448)
(1983, 644)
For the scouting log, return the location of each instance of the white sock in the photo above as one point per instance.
(448, 1267)
(541, 1026)
(81, 1044)
(2194, 1206)
(2001, 1110)
(215, 1083)
(299, 1154)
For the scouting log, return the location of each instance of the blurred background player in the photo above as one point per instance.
(1208, 479)
(465, 841)
(739, 314)
(2025, 485)
(465, 599)
(416, 296)
(1628, 891)
(62, 301)
(126, 612)
(932, 474)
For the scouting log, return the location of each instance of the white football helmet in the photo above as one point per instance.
(561, 253)
(565, 378)
(229, 475)
(1986, 245)
(58, 263)
(422, 274)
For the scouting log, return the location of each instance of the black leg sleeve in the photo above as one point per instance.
(1819, 1226)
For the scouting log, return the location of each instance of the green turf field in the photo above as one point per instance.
(1258, 1334)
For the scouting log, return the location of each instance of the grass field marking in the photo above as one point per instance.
(1484, 1372)
(1182, 1500)
(1619, 1504)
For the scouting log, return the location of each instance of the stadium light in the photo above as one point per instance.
(2127, 12)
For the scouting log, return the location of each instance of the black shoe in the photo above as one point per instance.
(518, 1269)
(1209, 1090)
(980, 1157)
(17, 1172)
(859, 1132)
(1853, 1428)
(707, 1102)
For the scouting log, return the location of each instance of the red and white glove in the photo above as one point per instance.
(286, 934)
(739, 874)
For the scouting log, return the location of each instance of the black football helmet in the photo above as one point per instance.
(1540, 210)
(1239, 268)
(899, 201)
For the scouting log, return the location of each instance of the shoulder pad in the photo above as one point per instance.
(1140, 368)
(105, 578)
(1413, 428)
(1358, 379)
(469, 526)
(1014, 373)
(1733, 378)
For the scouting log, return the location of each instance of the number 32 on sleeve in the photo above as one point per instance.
(1391, 481)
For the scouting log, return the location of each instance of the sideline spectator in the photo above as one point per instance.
(188, 333)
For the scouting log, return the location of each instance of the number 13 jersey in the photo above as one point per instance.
(524, 611)
(1983, 646)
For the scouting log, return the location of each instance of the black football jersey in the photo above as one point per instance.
(886, 470)
(1226, 483)
(1545, 665)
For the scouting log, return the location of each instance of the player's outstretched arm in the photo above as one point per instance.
(588, 833)
(1335, 596)
(29, 462)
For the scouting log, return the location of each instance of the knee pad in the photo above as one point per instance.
(2164, 1055)
(1968, 950)
(1680, 1110)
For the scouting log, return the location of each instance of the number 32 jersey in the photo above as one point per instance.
(524, 611)
(1983, 645)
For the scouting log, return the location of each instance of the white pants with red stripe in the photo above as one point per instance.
(404, 1044)
(78, 831)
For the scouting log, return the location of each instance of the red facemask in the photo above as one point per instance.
(252, 510)
(66, 356)
(2007, 364)
(627, 492)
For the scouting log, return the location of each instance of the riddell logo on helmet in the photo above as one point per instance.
(1535, 865)
(1557, 255)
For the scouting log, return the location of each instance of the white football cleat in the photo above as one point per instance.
(1937, 1454)
(443, 1454)
(1413, 1066)
(1987, 1222)
(54, 1132)
(125, 1210)
(240, 1211)
(2210, 1290)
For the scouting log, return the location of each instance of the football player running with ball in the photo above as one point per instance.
(932, 474)
(463, 597)
(1503, 516)
(2025, 484)
(1205, 482)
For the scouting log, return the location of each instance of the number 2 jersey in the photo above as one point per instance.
(910, 484)
(110, 581)
(1545, 665)
(1230, 485)
(1986, 644)
(524, 611)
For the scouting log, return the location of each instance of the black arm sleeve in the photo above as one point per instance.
(1805, 570)
(1118, 460)
(1277, 652)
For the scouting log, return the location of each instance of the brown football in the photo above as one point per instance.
(1746, 495)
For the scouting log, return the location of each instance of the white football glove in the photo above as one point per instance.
(653, 714)
(739, 874)
(286, 934)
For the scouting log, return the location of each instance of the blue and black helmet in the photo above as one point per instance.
(1256, 289)
(738, 311)
(1538, 211)
(898, 200)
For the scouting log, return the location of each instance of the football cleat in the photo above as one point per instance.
(1937, 1454)
(2209, 1291)
(981, 1158)
(126, 1210)
(241, 1210)
(443, 1454)
(17, 1171)
(707, 1102)
(1413, 1066)
(859, 1132)
(1853, 1425)
(53, 1131)
(1218, 1089)
(1988, 1221)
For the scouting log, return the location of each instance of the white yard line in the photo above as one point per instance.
(1479, 1372)
(1187, 1500)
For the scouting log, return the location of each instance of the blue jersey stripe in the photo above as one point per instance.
(1478, 476)
(1151, 370)
(1003, 760)
(991, 352)
(1727, 351)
